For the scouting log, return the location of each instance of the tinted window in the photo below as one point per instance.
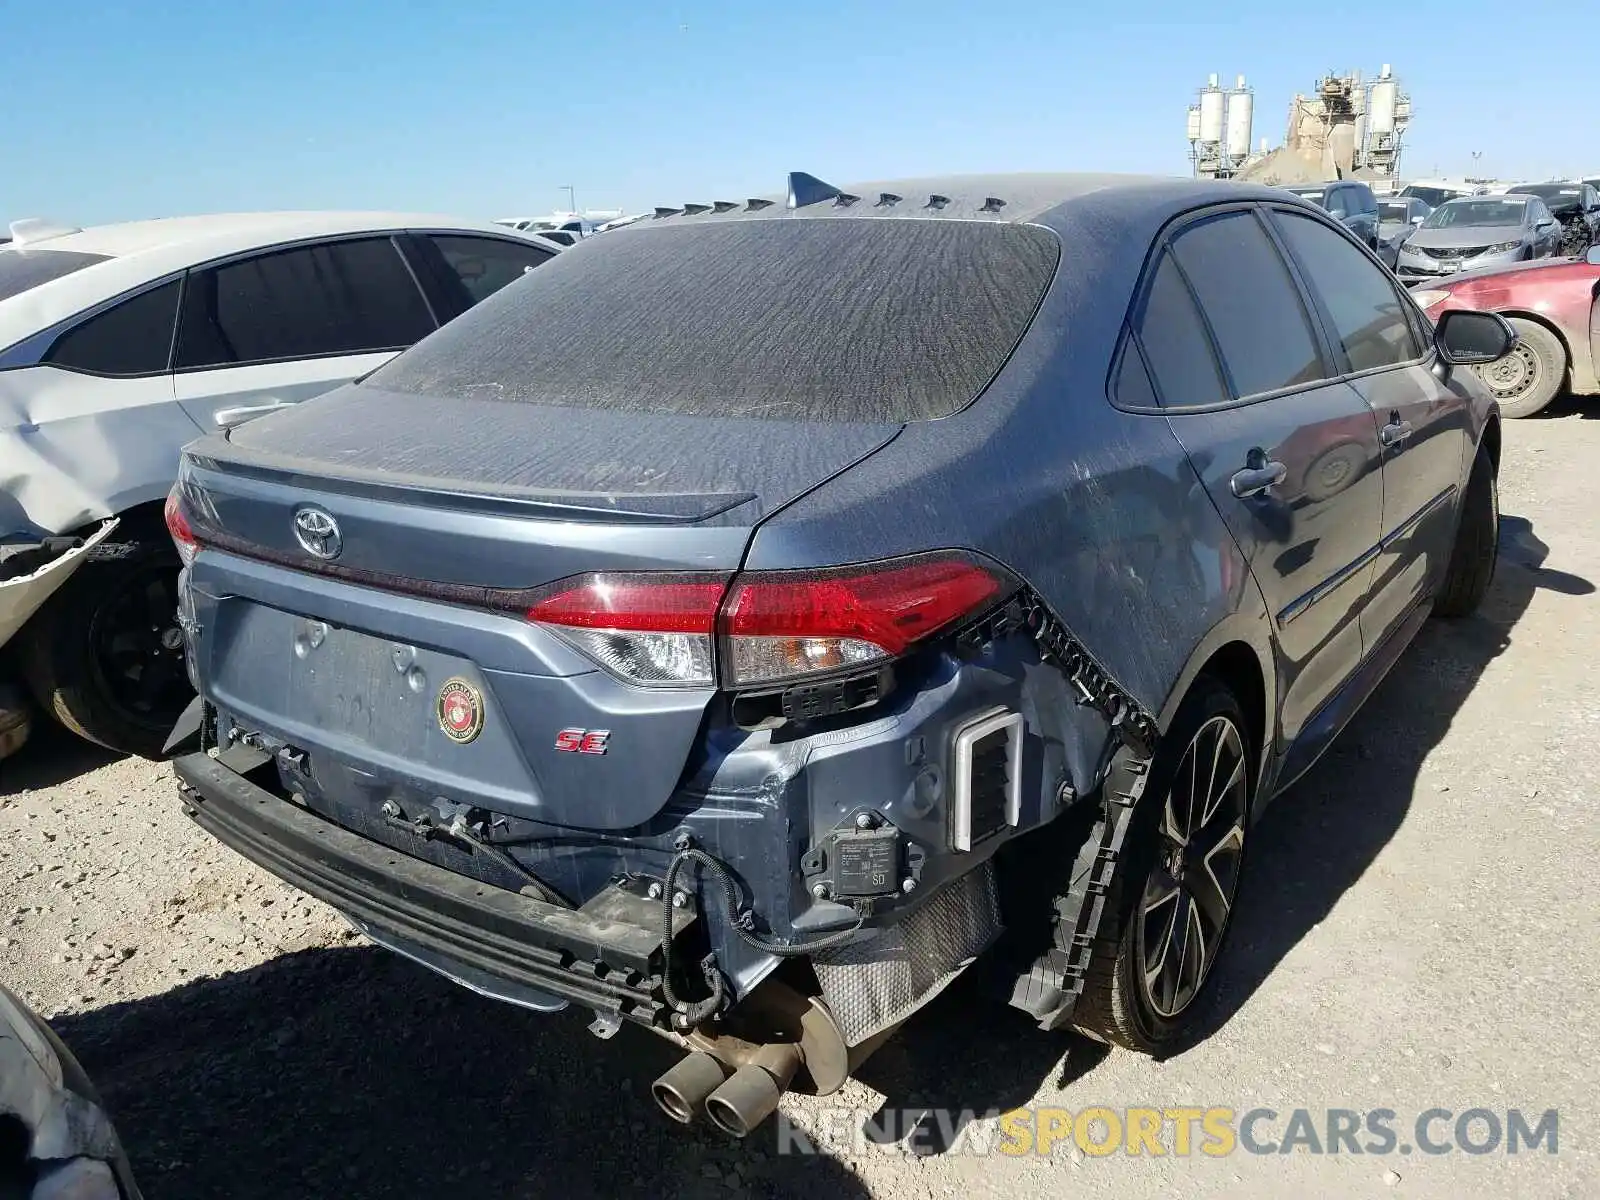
(485, 265)
(801, 319)
(1131, 386)
(21, 269)
(1175, 341)
(1369, 318)
(1362, 200)
(335, 298)
(1251, 302)
(131, 338)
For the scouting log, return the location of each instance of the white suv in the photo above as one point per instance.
(118, 345)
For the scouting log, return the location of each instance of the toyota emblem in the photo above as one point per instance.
(318, 533)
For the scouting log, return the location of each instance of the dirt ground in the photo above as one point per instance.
(1418, 930)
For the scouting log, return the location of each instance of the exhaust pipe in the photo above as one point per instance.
(681, 1091)
(752, 1093)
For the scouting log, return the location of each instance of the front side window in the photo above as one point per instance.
(485, 265)
(1369, 318)
(348, 297)
(130, 338)
(1251, 302)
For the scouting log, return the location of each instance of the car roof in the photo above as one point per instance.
(220, 234)
(137, 252)
(1041, 197)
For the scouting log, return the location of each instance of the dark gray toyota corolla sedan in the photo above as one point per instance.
(748, 620)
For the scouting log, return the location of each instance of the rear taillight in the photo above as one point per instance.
(647, 627)
(178, 526)
(766, 627)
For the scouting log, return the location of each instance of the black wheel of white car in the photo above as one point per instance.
(104, 656)
(1177, 883)
(1528, 378)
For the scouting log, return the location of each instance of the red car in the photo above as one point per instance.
(1552, 305)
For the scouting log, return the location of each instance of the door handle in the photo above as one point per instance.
(1260, 475)
(227, 418)
(1394, 432)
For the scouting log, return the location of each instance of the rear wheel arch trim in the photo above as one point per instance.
(1214, 657)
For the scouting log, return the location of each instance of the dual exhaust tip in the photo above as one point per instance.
(738, 1103)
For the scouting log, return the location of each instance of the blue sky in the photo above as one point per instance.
(119, 111)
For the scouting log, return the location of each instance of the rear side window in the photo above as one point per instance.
(1251, 302)
(131, 338)
(21, 269)
(1175, 343)
(351, 297)
(485, 265)
(799, 318)
(1369, 318)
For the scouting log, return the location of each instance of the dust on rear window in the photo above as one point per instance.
(876, 320)
(21, 269)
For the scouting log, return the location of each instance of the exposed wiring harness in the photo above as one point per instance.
(689, 1013)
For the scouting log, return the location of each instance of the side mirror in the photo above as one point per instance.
(1592, 255)
(1417, 221)
(1464, 337)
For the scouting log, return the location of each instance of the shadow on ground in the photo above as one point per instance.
(351, 1073)
(51, 756)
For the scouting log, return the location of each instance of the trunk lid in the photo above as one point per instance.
(438, 504)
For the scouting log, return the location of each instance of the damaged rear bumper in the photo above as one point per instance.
(605, 956)
(21, 595)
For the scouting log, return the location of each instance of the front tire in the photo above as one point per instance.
(1528, 378)
(104, 655)
(1148, 980)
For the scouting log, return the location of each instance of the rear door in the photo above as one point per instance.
(1287, 452)
(1424, 423)
(270, 330)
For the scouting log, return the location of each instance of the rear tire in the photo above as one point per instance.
(104, 655)
(1528, 378)
(1143, 991)
(1477, 545)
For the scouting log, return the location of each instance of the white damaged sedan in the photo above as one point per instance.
(56, 1141)
(121, 343)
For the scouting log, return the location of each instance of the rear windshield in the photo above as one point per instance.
(21, 269)
(796, 319)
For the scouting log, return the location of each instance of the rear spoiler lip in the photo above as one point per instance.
(665, 508)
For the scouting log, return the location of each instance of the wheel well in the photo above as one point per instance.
(1236, 666)
(142, 522)
(1536, 319)
(1491, 442)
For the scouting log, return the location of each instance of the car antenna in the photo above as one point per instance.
(992, 204)
(663, 212)
(757, 204)
(694, 210)
(722, 206)
(808, 189)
